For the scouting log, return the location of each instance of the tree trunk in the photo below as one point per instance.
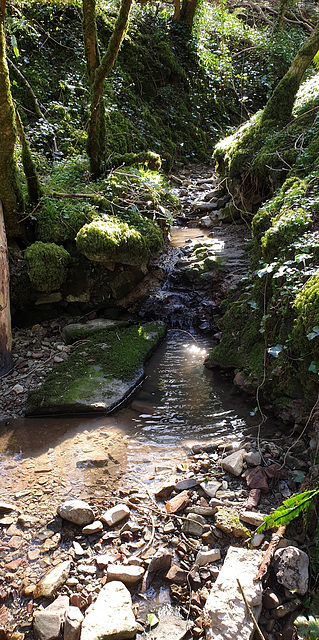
(187, 12)
(5, 318)
(282, 12)
(33, 184)
(10, 190)
(177, 9)
(279, 106)
(97, 72)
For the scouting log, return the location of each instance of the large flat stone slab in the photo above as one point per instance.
(111, 616)
(99, 373)
(225, 605)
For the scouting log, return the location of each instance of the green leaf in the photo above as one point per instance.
(289, 510)
(275, 351)
(314, 366)
(314, 333)
(308, 629)
(15, 46)
(316, 60)
(152, 620)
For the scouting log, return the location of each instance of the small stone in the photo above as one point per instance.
(189, 483)
(52, 580)
(6, 507)
(208, 539)
(76, 511)
(179, 503)
(47, 622)
(194, 525)
(253, 458)
(291, 567)
(92, 528)
(257, 540)
(270, 599)
(104, 559)
(128, 574)
(234, 462)
(211, 487)
(176, 575)
(164, 491)
(78, 550)
(227, 520)
(72, 624)
(253, 499)
(18, 388)
(205, 557)
(252, 517)
(111, 615)
(257, 479)
(115, 514)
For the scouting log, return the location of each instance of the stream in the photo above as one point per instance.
(44, 461)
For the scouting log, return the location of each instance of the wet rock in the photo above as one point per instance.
(253, 458)
(161, 561)
(76, 511)
(52, 580)
(128, 574)
(291, 567)
(253, 499)
(209, 447)
(170, 627)
(72, 624)
(253, 518)
(176, 575)
(115, 514)
(194, 525)
(211, 487)
(179, 503)
(47, 622)
(225, 606)
(227, 520)
(257, 479)
(234, 462)
(205, 557)
(92, 528)
(111, 615)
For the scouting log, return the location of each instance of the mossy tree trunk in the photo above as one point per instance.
(187, 13)
(10, 190)
(97, 72)
(33, 184)
(278, 109)
(5, 318)
(282, 12)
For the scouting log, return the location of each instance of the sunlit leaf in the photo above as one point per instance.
(152, 620)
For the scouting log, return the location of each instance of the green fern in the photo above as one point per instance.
(316, 59)
(289, 510)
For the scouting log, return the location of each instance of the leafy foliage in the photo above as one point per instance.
(289, 510)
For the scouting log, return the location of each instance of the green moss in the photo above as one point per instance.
(59, 220)
(111, 240)
(285, 229)
(106, 356)
(306, 308)
(147, 158)
(47, 265)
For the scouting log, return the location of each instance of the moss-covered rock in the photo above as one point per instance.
(111, 240)
(227, 519)
(47, 265)
(98, 375)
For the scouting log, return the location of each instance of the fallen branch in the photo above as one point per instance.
(256, 625)
(275, 539)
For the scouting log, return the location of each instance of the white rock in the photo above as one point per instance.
(72, 624)
(234, 462)
(115, 514)
(128, 574)
(78, 550)
(211, 487)
(76, 511)
(205, 557)
(111, 615)
(252, 517)
(225, 606)
(292, 569)
(94, 527)
(170, 628)
(257, 540)
(52, 580)
(18, 388)
(205, 221)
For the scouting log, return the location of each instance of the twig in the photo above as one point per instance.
(275, 539)
(256, 625)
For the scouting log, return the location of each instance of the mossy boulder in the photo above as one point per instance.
(47, 265)
(99, 374)
(111, 240)
(80, 330)
(227, 520)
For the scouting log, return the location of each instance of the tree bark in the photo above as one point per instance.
(97, 72)
(33, 184)
(10, 190)
(280, 104)
(187, 12)
(282, 12)
(5, 318)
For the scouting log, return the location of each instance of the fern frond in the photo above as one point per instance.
(316, 60)
(289, 510)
